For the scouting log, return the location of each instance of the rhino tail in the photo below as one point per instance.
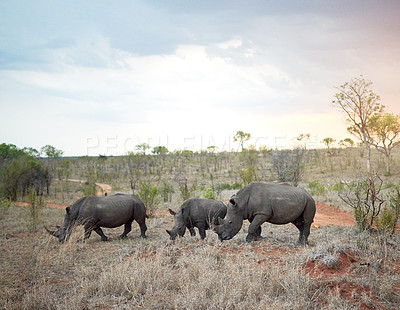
(147, 216)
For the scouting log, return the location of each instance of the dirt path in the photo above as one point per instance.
(104, 188)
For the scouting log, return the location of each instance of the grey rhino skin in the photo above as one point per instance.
(196, 212)
(273, 203)
(106, 211)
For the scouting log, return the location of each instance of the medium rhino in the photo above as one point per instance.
(196, 212)
(272, 203)
(107, 211)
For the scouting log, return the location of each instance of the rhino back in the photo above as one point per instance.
(204, 209)
(282, 202)
(107, 211)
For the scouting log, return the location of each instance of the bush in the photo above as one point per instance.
(148, 194)
(387, 221)
(288, 165)
(186, 191)
(4, 206)
(316, 188)
(338, 187)
(227, 186)
(366, 200)
(209, 193)
(89, 188)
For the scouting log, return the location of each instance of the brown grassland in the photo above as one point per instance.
(342, 268)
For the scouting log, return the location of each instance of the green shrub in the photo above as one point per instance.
(148, 194)
(338, 187)
(316, 188)
(387, 221)
(89, 188)
(4, 206)
(209, 193)
(226, 186)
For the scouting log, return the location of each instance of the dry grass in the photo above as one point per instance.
(156, 273)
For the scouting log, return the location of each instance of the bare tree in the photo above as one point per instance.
(359, 103)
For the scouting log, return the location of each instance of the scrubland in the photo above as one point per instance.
(342, 268)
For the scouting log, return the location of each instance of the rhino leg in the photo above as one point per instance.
(254, 232)
(202, 231)
(191, 230)
(303, 238)
(143, 229)
(88, 231)
(127, 229)
(99, 231)
(303, 231)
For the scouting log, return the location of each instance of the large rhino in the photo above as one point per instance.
(107, 211)
(196, 212)
(273, 203)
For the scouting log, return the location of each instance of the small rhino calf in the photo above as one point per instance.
(196, 212)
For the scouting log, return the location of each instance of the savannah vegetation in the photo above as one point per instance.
(343, 268)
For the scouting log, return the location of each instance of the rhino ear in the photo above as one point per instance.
(219, 221)
(172, 211)
(68, 210)
(232, 201)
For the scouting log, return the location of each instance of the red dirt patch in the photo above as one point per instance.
(317, 268)
(353, 292)
(329, 215)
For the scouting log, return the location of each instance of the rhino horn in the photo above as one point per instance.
(168, 231)
(50, 232)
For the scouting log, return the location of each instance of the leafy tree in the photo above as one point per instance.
(142, 148)
(19, 170)
(53, 155)
(304, 138)
(358, 102)
(160, 150)
(31, 151)
(347, 142)
(241, 137)
(51, 152)
(328, 141)
(385, 133)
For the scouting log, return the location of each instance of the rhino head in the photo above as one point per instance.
(59, 233)
(227, 228)
(179, 224)
(62, 233)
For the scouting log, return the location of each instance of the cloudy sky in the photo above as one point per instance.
(100, 77)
